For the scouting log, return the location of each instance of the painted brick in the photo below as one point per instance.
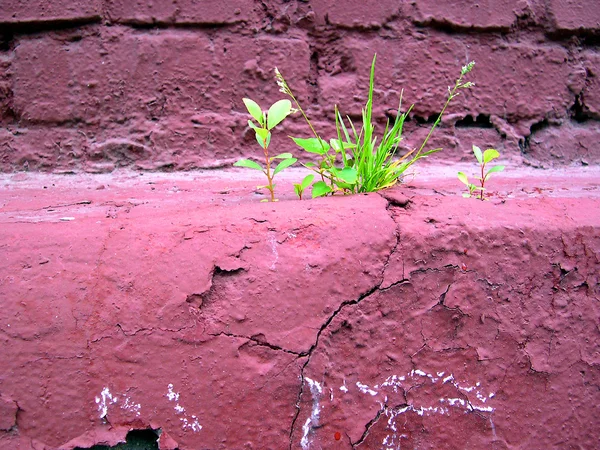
(510, 78)
(486, 14)
(22, 11)
(57, 81)
(569, 143)
(120, 76)
(575, 14)
(182, 11)
(591, 91)
(355, 13)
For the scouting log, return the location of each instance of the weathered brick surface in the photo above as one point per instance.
(182, 11)
(486, 14)
(509, 77)
(139, 96)
(23, 11)
(355, 13)
(569, 143)
(591, 91)
(121, 76)
(575, 14)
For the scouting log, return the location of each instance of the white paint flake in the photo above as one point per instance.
(313, 421)
(187, 422)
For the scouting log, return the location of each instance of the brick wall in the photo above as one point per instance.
(99, 84)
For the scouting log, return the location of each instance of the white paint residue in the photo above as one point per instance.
(415, 379)
(192, 424)
(365, 389)
(313, 421)
(343, 387)
(273, 243)
(172, 396)
(105, 399)
(130, 406)
(187, 422)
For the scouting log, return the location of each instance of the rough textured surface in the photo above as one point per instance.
(157, 85)
(412, 317)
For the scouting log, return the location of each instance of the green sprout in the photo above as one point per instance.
(266, 122)
(300, 187)
(483, 158)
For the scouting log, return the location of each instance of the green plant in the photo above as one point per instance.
(266, 122)
(366, 166)
(483, 158)
(301, 187)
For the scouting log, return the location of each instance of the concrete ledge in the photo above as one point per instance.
(412, 317)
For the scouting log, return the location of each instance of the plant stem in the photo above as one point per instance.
(268, 173)
(451, 95)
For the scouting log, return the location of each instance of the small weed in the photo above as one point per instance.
(266, 122)
(366, 164)
(299, 188)
(483, 158)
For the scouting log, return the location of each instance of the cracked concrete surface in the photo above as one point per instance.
(405, 318)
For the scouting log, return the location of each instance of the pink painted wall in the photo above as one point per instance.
(92, 85)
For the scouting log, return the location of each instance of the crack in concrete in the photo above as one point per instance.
(259, 342)
(344, 304)
(369, 425)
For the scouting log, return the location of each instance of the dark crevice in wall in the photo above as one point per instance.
(524, 142)
(174, 25)
(481, 121)
(577, 111)
(582, 38)
(7, 42)
(135, 440)
(455, 28)
(47, 26)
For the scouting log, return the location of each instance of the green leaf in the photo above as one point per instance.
(277, 112)
(337, 145)
(249, 164)
(254, 110)
(262, 133)
(490, 154)
(307, 180)
(478, 154)
(283, 164)
(348, 174)
(283, 156)
(466, 195)
(495, 169)
(312, 145)
(319, 189)
(298, 190)
(462, 177)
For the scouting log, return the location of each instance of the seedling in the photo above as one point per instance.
(483, 158)
(300, 188)
(266, 122)
(366, 165)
